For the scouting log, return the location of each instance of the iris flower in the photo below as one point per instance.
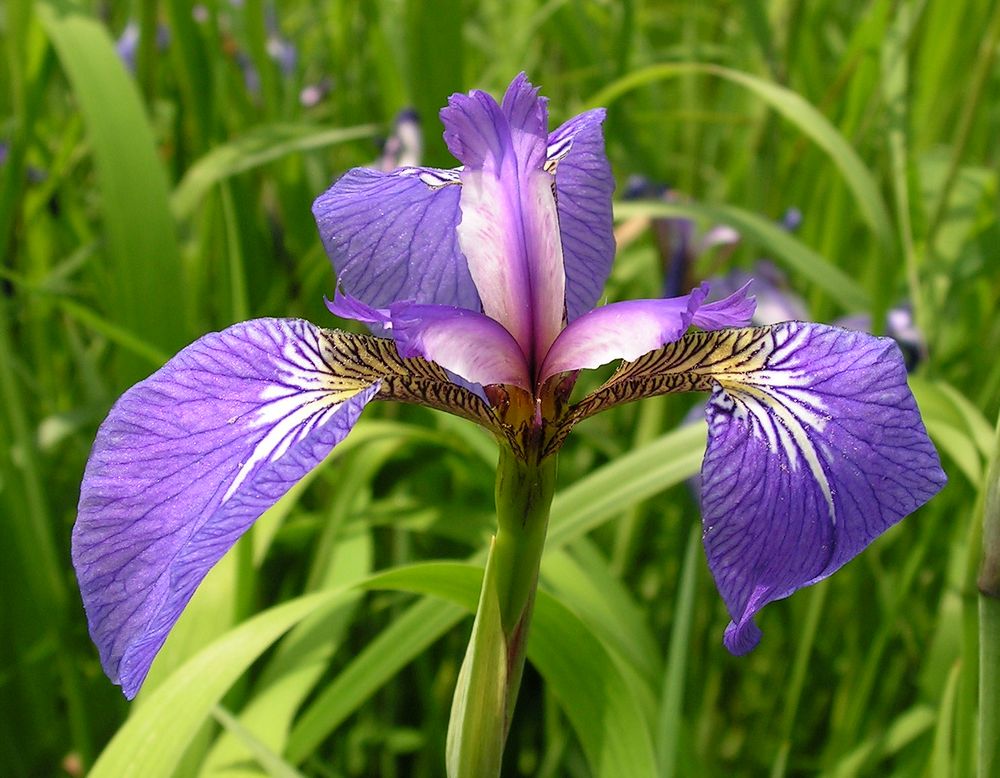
(480, 285)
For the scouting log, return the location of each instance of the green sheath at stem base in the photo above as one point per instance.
(494, 661)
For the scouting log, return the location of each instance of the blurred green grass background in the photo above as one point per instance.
(142, 206)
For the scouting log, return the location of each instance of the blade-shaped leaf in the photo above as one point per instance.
(257, 147)
(796, 110)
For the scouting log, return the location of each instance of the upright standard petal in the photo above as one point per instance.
(509, 231)
(584, 185)
(186, 461)
(815, 448)
(391, 236)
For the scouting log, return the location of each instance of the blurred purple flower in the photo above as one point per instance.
(127, 44)
(791, 220)
(900, 326)
(279, 48)
(405, 146)
(678, 239)
(312, 94)
(491, 272)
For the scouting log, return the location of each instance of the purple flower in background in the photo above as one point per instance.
(405, 147)
(127, 44)
(312, 95)
(480, 283)
(281, 50)
(677, 238)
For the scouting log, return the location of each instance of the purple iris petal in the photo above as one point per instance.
(584, 186)
(736, 310)
(815, 448)
(349, 307)
(391, 236)
(775, 301)
(185, 462)
(473, 346)
(625, 330)
(469, 344)
(509, 231)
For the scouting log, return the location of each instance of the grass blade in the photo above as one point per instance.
(142, 281)
(257, 147)
(796, 110)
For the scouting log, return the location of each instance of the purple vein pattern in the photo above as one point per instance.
(812, 454)
(186, 461)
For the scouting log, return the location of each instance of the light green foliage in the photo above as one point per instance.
(139, 211)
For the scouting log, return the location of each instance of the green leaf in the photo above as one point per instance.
(577, 667)
(582, 579)
(477, 726)
(577, 510)
(275, 766)
(152, 741)
(788, 249)
(299, 661)
(668, 725)
(141, 285)
(395, 647)
(613, 730)
(955, 424)
(796, 110)
(257, 147)
(631, 478)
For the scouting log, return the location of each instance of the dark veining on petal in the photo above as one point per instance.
(365, 358)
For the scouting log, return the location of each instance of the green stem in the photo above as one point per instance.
(523, 495)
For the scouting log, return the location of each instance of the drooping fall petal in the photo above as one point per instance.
(815, 447)
(186, 461)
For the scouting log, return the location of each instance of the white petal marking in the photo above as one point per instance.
(305, 394)
(783, 409)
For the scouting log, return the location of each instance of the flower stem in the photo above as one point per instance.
(494, 661)
(523, 495)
